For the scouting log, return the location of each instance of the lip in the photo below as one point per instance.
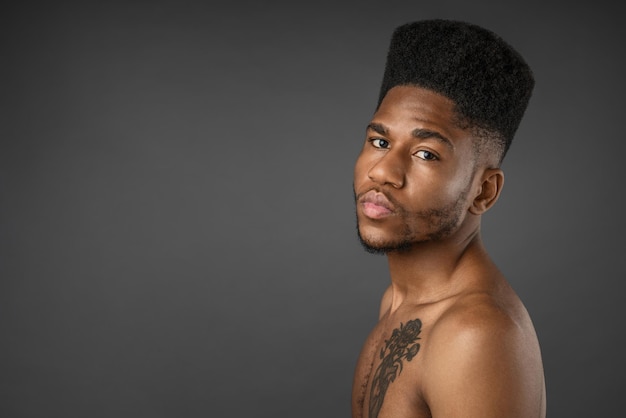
(376, 205)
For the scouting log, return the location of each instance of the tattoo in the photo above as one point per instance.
(397, 348)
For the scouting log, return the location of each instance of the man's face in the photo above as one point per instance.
(413, 178)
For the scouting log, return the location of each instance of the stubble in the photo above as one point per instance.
(429, 225)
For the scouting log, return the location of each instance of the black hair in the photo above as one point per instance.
(489, 82)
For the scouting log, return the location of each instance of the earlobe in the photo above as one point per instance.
(489, 190)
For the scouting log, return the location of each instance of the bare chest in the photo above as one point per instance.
(387, 374)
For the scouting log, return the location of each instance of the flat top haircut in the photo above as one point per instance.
(489, 81)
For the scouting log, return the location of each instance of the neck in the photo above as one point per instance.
(429, 271)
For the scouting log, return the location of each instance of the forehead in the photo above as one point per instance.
(411, 106)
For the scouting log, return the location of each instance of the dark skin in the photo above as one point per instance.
(453, 340)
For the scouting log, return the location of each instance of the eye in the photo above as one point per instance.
(425, 155)
(380, 143)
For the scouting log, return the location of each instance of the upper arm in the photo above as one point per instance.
(483, 369)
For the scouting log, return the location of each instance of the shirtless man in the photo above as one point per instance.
(453, 339)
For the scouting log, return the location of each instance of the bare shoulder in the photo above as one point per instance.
(483, 359)
(480, 315)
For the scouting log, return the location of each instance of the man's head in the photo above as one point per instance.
(489, 82)
(452, 97)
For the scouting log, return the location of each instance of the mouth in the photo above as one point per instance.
(376, 205)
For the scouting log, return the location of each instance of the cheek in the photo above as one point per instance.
(457, 188)
(454, 187)
(360, 170)
(437, 189)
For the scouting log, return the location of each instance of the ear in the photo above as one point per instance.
(491, 183)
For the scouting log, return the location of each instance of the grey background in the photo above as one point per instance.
(176, 219)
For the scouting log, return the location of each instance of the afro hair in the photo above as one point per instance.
(489, 82)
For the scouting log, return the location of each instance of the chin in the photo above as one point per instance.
(379, 244)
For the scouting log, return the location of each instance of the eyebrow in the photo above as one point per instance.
(418, 133)
(427, 133)
(379, 128)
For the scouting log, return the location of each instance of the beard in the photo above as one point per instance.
(438, 223)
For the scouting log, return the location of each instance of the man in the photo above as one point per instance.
(453, 339)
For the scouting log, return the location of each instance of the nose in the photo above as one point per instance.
(388, 170)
